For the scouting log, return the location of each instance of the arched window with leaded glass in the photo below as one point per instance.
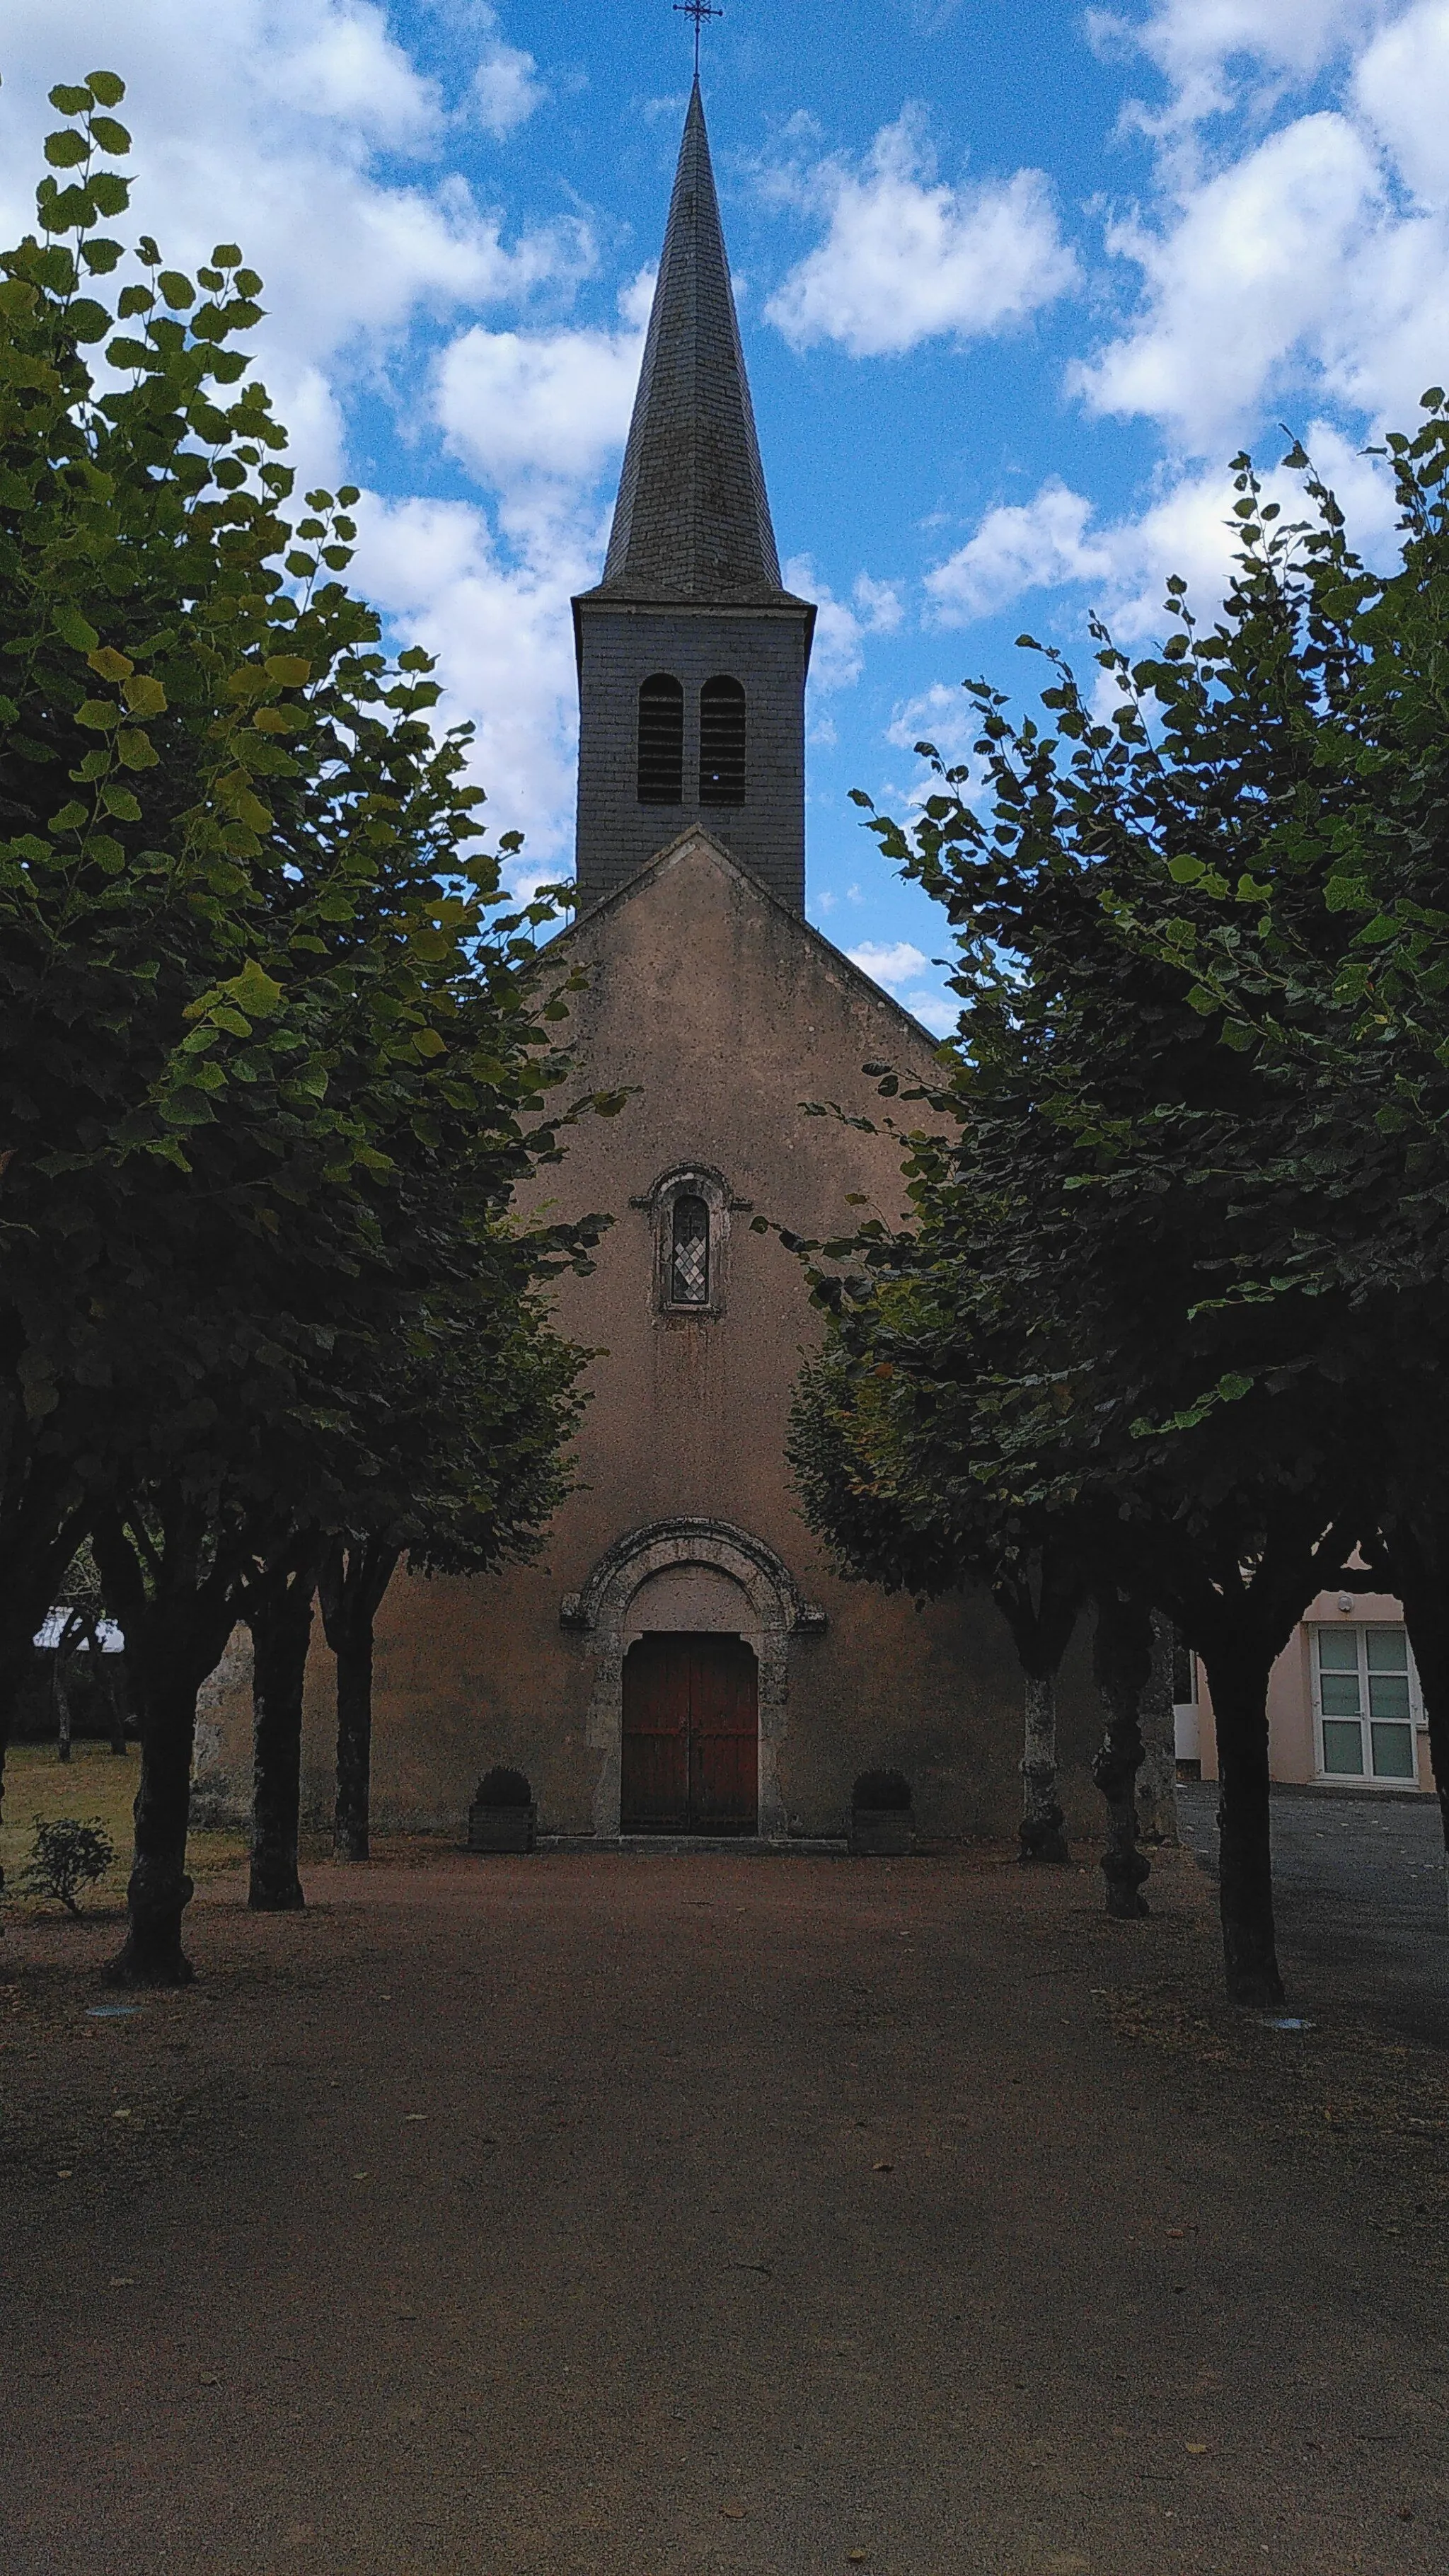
(689, 1262)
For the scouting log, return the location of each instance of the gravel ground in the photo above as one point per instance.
(1362, 1919)
(600, 2216)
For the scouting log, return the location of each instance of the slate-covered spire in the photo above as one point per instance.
(692, 521)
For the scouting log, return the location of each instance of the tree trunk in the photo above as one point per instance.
(115, 1685)
(1157, 1778)
(1121, 1661)
(279, 1613)
(176, 1610)
(1042, 1822)
(353, 1576)
(159, 1890)
(60, 1694)
(1239, 1687)
(352, 1823)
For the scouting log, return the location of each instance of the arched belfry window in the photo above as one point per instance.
(661, 740)
(689, 1281)
(722, 742)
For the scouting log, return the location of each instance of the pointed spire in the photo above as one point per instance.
(692, 521)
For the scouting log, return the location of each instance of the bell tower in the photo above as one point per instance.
(691, 655)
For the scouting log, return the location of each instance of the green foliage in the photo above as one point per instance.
(65, 1856)
(271, 1060)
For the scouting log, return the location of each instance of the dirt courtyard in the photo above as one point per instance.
(597, 2213)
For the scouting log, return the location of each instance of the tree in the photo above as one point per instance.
(1328, 972)
(897, 1513)
(486, 1424)
(1208, 1435)
(248, 949)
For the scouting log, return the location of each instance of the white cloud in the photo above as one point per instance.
(530, 406)
(1198, 44)
(1310, 262)
(837, 657)
(1401, 88)
(502, 634)
(897, 965)
(1251, 272)
(263, 122)
(506, 87)
(1055, 542)
(942, 715)
(1021, 546)
(908, 258)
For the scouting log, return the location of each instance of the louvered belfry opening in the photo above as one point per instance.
(689, 1252)
(661, 740)
(722, 743)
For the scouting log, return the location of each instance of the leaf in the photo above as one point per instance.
(144, 695)
(65, 150)
(110, 136)
(110, 191)
(136, 750)
(108, 87)
(426, 1042)
(254, 991)
(177, 289)
(70, 100)
(288, 669)
(119, 801)
(73, 629)
(109, 664)
(88, 320)
(97, 715)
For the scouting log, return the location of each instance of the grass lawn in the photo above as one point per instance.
(96, 1786)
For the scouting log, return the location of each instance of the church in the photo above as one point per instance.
(681, 1657)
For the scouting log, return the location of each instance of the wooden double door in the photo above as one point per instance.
(691, 1736)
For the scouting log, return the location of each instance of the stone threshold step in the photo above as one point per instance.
(675, 1846)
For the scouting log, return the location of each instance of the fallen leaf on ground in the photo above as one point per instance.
(734, 2512)
(883, 2167)
(857, 2557)
(1195, 2450)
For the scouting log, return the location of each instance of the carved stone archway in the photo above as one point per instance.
(600, 1612)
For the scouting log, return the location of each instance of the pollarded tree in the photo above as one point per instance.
(1329, 973)
(1209, 1435)
(245, 948)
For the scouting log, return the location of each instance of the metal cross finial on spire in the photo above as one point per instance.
(698, 10)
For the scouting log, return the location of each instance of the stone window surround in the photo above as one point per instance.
(697, 1181)
(600, 1614)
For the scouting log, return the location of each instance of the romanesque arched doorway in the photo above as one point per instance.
(732, 1605)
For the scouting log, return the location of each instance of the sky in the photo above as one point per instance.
(1016, 279)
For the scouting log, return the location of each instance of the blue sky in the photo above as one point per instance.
(1015, 279)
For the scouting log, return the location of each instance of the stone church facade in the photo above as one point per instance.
(681, 1657)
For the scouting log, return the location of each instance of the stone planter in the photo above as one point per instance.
(502, 1829)
(882, 1833)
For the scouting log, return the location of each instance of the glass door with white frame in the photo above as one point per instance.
(1364, 1687)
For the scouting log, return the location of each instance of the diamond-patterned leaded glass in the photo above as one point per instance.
(689, 1253)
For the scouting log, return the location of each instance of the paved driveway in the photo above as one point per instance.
(600, 2216)
(1361, 1901)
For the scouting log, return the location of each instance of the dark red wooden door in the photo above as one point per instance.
(691, 1736)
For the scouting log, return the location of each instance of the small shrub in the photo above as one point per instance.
(882, 1792)
(502, 1788)
(66, 1855)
